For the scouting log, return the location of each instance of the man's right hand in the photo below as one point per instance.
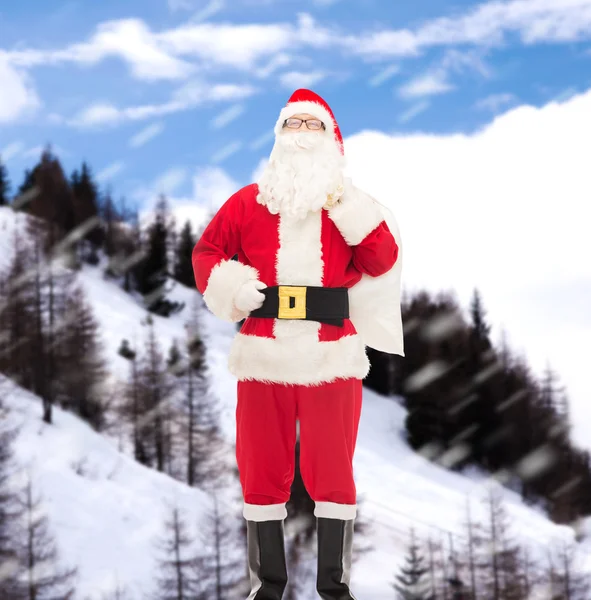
(249, 297)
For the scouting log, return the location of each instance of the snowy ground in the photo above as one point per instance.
(106, 517)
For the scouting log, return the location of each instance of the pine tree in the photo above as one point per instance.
(83, 369)
(86, 213)
(412, 582)
(178, 578)
(380, 378)
(16, 316)
(133, 411)
(53, 204)
(485, 373)
(152, 270)
(4, 185)
(26, 192)
(157, 387)
(199, 418)
(45, 578)
(432, 376)
(51, 285)
(10, 586)
(183, 271)
(110, 219)
(151, 273)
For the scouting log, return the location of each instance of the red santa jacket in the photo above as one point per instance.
(333, 248)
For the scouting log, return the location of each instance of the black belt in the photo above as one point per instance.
(310, 303)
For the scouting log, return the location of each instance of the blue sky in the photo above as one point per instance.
(150, 92)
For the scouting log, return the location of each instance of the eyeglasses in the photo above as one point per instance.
(313, 124)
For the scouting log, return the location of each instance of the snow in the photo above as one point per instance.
(106, 518)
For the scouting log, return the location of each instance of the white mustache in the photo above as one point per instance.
(304, 141)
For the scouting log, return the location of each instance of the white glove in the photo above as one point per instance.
(248, 297)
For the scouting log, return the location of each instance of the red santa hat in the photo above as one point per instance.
(306, 101)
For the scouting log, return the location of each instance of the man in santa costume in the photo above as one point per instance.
(317, 279)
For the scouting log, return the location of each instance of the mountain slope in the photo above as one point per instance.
(106, 518)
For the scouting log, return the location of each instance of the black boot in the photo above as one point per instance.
(266, 559)
(335, 545)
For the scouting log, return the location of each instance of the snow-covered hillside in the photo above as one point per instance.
(106, 518)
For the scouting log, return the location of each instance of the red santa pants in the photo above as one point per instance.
(266, 416)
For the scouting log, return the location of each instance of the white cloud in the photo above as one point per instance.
(227, 116)
(145, 135)
(165, 184)
(427, 84)
(109, 171)
(535, 21)
(496, 102)
(301, 79)
(384, 75)
(161, 55)
(18, 97)
(174, 53)
(278, 61)
(176, 5)
(170, 181)
(414, 111)
(189, 96)
(212, 186)
(210, 9)
(129, 39)
(262, 140)
(11, 151)
(436, 80)
(227, 151)
(507, 210)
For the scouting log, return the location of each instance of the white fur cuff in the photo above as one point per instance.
(267, 512)
(356, 216)
(331, 510)
(225, 279)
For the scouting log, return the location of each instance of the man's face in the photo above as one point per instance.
(313, 125)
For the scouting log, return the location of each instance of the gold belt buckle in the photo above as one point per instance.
(298, 311)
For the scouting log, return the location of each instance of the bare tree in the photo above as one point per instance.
(219, 566)
(502, 578)
(17, 315)
(83, 369)
(177, 579)
(566, 575)
(199, 415)
(10, 586)
(132, 409)
(38, 554)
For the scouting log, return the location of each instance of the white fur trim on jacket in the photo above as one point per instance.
(312, 108)
(225, 279)
(356, 215)
(297, 360)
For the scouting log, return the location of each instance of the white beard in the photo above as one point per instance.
(303, 169)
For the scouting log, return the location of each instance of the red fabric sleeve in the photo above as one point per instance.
(219, 241)
(377, 253)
